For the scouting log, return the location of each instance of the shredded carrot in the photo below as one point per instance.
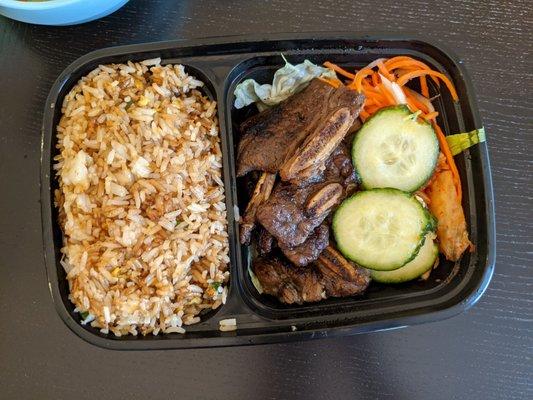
(367, 86)
(407, 63)
(385, 72)
(375, 79)
(415, 74)
(339, 70)
(374, 94)
(411, 105)
(372, 109)
(413, 100)
(359, 77)
(424, 86)
(388, 96)
(364, 114)
(430, 116)
(449, 158)
(333, 82)
(393, 60)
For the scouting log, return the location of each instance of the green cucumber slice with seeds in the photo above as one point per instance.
(395, 150)
(381, 229)
(422, 263)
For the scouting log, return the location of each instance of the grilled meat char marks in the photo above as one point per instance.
(331, 276)
(261, 193)
(292, 212)
(304, 141)
(284, 215)
(340, 276)
(271, 138)
(289, 283)
(309, 250)
(265, 242)
(318, 146)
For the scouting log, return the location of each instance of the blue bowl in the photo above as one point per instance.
(58, 12)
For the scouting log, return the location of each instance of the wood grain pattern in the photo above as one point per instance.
(483, 354)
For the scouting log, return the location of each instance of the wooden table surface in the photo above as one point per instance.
(482, 354)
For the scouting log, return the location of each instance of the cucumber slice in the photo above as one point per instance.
(392, 149)
(381, 229)
(423, 262)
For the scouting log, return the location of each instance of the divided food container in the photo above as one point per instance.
(222, 63)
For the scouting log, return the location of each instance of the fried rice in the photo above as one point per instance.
(141, 199)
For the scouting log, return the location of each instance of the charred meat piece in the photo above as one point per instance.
(273, 137)
(286, 214)
(292, 212)
(309, 250)
(265, 242)
(319, 145)
(262, 191)
(290, 284)
(331, 276)
(339, 276)
(322, 142)
(269, 136)
(337, 168)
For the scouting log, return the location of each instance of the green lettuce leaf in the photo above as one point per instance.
(287, 81)
(463, 141)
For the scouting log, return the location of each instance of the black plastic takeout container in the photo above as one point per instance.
(222, 63)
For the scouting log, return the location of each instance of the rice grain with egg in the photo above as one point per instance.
(141, 199)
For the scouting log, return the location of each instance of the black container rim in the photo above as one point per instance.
(234, 338)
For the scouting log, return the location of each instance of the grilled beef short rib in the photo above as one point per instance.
(331, 276)
(303, 140)
(289, 283)
(309, 250)
(292, 212)
(273, 137)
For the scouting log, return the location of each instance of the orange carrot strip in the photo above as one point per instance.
(415, 74)
(408, 63)
(412, 106)
(339, 70)
(413, 100)
(404, 66)
(430, 116)
(449, 158)
(380, 98)
(359, 77)
(404, 62)
(375, 79)
(401, 72)
(372, 93)
(372, 109)
(424, 86)
(367, 86)
(364, 114)
(403, 58)
(385, 72)
(387, 94)
(333, 82)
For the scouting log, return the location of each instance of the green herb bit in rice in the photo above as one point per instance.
(141, 199)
